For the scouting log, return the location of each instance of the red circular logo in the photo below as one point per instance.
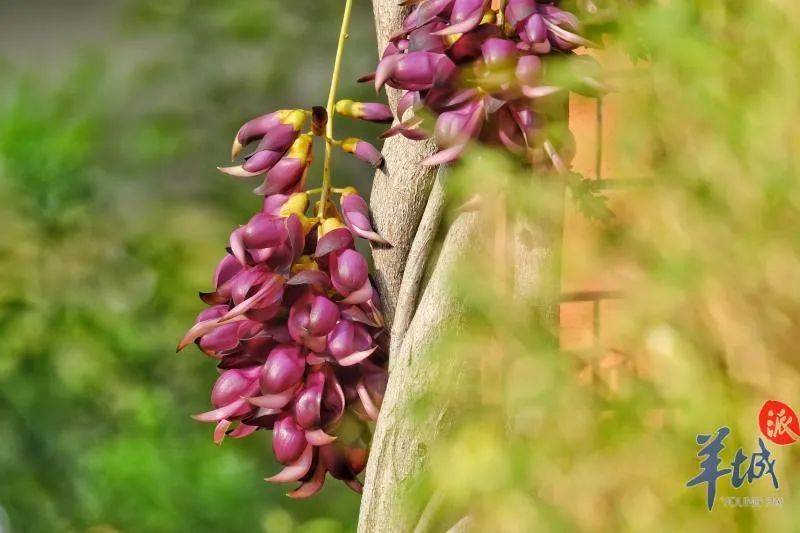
(778, 422)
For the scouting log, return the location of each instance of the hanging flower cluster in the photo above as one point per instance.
(294, 320)
(478, 69)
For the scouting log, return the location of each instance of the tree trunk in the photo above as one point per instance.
(407, 204)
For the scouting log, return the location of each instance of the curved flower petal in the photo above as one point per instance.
(318, 437)
(296, 470)
(356, 357)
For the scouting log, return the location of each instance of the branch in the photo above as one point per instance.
(400, 441)
(399, 196)
(417, 260)
(407, 203)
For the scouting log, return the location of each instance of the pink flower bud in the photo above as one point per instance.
(356, 215)
(363, 151)
(465, 16)
(370, 111)
(348, 271)
(350, 343)
(288, 440)
(283, 369)
(517, 11)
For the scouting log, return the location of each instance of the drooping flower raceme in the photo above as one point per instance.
(293, 319)
(479, 71)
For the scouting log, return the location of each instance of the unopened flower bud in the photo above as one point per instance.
(363, 151)
(371, 111)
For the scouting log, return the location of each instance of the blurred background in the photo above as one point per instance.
(113, 117)
(682, 287)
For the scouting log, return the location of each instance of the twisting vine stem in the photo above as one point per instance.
(337, 67)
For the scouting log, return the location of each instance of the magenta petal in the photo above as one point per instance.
(223, 412)
(261, 161)
(256, 128)
(243, 283)
(348, 271)
(212, 312)
(519, 10)
(357, 357)
(333, 400)
(424, 12)
(406, 102)
(464, 26)
(356, 215)
(237, 245)
(295, 470)
(278, 139)
(232, 384)
(200, 329)
(219, 431)
(294, 229)
(368, 153)
(288, 440)
(318, 437)
(242, 430)
(323, 316)
(238, 171)
(283, 369)
(263, 231)
(273, 401)
(415, 70)
(333, 240)
(226, 269)
(445, 156)
(197, 331)
(269, 290)
(273, 204)
(375, 112)
(535, 30)
(355, 485)
(308, 405)
(312, 486)
(360, 295)
(310, 277)
(262, 418)
(282, 177)
(340, 339)
(369, 407)
(528, 71)
(225, 337)
(498, 51)
(356, 314)
(385, 69)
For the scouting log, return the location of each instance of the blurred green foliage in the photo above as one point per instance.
(707, 251)
(113, 218)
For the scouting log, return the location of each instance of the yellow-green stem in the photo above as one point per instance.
(337, 67)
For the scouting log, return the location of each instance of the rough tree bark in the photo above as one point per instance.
(407, 203)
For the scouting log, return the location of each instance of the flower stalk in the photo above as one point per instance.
(337, 68)
(293, 319)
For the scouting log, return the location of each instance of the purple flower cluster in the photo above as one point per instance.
(294, 320)
(478, 70)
